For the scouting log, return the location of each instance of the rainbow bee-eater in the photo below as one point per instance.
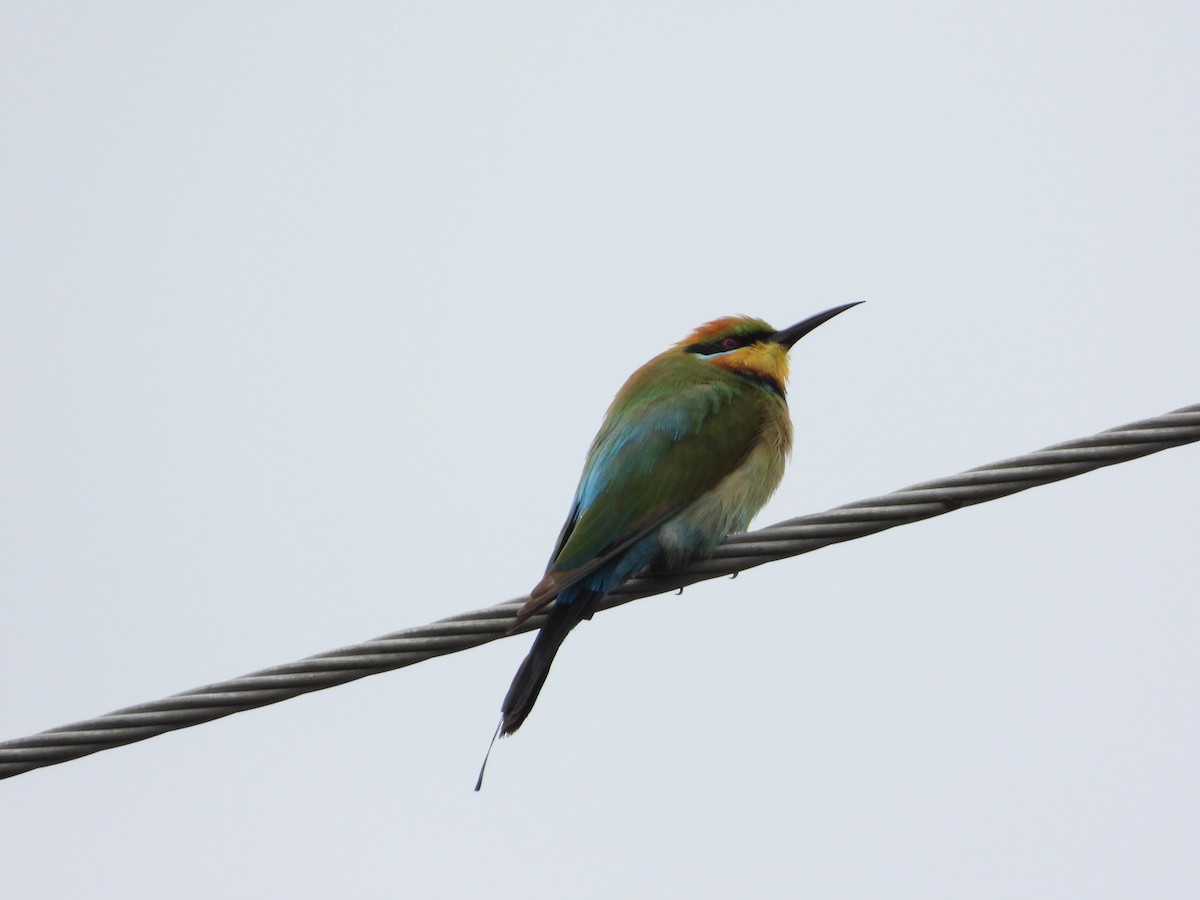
(691, 448)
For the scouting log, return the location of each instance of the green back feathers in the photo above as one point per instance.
(676, 429)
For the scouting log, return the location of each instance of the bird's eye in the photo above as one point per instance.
(730, 343)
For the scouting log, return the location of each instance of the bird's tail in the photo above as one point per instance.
(527, 683)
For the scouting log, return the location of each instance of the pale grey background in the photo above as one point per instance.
(309, 314)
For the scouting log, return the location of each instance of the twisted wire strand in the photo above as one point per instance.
(470, 629)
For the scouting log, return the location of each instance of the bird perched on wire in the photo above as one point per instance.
(691, 448)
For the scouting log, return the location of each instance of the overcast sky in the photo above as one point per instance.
(308, 315)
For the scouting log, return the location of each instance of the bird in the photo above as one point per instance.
(691, 448)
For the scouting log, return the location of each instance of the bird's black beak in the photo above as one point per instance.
(789, 336)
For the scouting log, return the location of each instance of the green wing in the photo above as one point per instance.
(652, 458)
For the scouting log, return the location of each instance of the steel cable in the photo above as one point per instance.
(470, 629)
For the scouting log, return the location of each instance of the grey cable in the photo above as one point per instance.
(737, 553)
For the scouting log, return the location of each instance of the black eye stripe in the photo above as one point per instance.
(708, 348)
